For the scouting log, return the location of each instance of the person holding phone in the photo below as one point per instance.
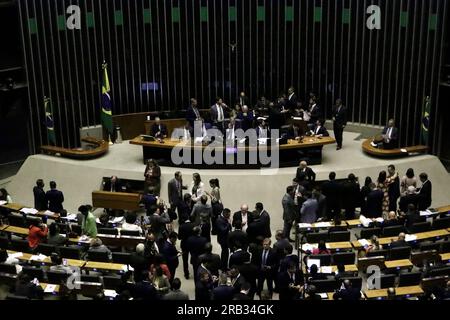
(37, 233)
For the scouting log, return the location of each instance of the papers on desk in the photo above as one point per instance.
(110, 293)
(71, 217)
(117, 220)
(16, 255)
(2, 202)
(297, 118)
(262, 141)
(322, 224)
(304, 225)
(323, 295)
(84, 238)
(50, 288)
(326, 269)
(373, 144)
(380, 220)
(49, 213)
(309, 247)
(404, 150)
(29, 210)
(363, 242)
(365, 221)
(410, 237)
(126, 268)
(39, 257)
(426, 213)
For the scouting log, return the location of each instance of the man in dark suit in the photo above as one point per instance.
(350, 196)
(374, 202)
(245, 292)
(250, 273)
(339, 113)
(192, 113)
(223, 227)
(112, 185)
(244, 216)
(393, 188)
(348, 293)
(217, 112)
(424, 192)
(237, 237)
(319, 130)
(276, 117)
(170, 253)
(175, 192)
(239, 256)
(185, 231)
(55, 198)
(247, 117)
(391, 220)
(390, 135)
(236, 279)
(314, 112)
(243, 100)
(333, 193)
(260, 226)
(400, 242)
(309, 173)
(291, 102)
(196, 247)
(210, 260)
(267, 262)
(411, 197)
(290, 212)
(411, 217)
(40, 202)
(223, 292)
(289, 283)
(294, 131)
(289, 257)
(158, 129)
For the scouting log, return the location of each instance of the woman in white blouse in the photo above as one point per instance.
(197, 188)
(408, 180)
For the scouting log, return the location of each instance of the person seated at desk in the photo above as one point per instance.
(7, 259)
(88, 225)
(391, 220)
(58, 264)
(97, 245)
(314, 274)
(112, 185)
(341, 273)
(374, 244)
(158, 129)
(390, 136)
(321, 249)
(246, 116)
(411, 217)
(25, 287)
(319, 130)
(130, 223)
(347, 293)
(410, 197)
(54, 237)
(37, 233)
(400, 242)
(294, 132)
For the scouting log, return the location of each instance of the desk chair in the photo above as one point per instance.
(343, 258)
(383, 252)
(387, 281)
(445, 247)
(98, 256)
(339, 236)
(7, 268)
(120, 257)
(8, 279)
(399, 253)
(425, 246)
(88, 278)
(29, 220)
(4, 243)
(315, 237)
(441, 223)
(368, 233)
(33, 272)
(393, 231)
(110, 231)
(325, 259)
(70, 252)
(16, 220)
(57, 277)
(409, 279)
(20, 245)
(111, 282)
(46, 249)
(433, 282)
(327, 285)
(420, 227)
(417, 258)
(444, 271)
(13, 297)
(364, 263)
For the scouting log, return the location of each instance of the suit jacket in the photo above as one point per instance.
(237, 283)
(214, 111)
(321, 131)
(350, 195)
(291, 103)
(310, 174)
(223, 228)
(316, 113)
(238, 216)
(117, 187)
(223, 293)
(374, 204)
(260, 226)
(308, 211)
(199, 210)
(40, 202)
(271, 261)
(245, 101)
(276, 119)
(162, 129)
(425, 196)
(333, 191)
(184, 232)
(213, 262)
(191, 116)
(170, 254)
(238, 258)
(175, 191)
(291, 134)
(408, 199)
(412, 218)
(399, 244)
(289, 209)
(394, 189)
(247, 120)
(250, 272)
(176, 295)
(237, 238)
(196, 247)
(393, 143)
(284, 281)
(350, 294)
(55, 200)
(284, 263)
(339, 116)
(241, 296)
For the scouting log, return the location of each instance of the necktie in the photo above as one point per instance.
(264, 257)
(220, 115)
(389, 132)
(317, 129)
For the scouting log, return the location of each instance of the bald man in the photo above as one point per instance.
(400, 242)
(244, 216)
(307, 171)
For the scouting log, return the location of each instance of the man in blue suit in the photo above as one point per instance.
(55, 198)
(196, 245)
(170, 253)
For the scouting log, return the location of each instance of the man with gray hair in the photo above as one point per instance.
(158, 129)
(307, 171)
(411, 197)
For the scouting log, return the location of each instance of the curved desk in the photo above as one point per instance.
(100, 147)
(289, 154)
(392, 153)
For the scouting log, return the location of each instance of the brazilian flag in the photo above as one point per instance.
(49, 121)
(425, 121)
(107, 121)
